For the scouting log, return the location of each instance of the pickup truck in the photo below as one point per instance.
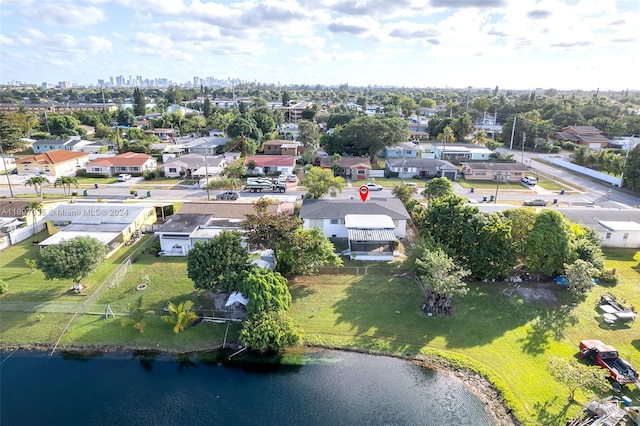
(264, 185)
(607, 357)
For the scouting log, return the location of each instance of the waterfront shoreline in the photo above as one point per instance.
(481, 388)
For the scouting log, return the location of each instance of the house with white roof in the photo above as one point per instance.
(189, 165)
(460, 152)
(269, 164)
(616, 227)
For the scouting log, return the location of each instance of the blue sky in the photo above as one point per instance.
(517, 44)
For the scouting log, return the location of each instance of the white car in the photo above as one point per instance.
(374, 186)
(123, 177)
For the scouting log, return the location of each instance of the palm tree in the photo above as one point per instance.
(65, 182)
(447, 135)
(37, 182)
(180, 315)
(137, 312)
(480, 137)
(35, 208)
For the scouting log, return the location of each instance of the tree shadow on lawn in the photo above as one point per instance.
(299, 290)
(549, 325)
(636, 344)
(547, 417)
(390, 310)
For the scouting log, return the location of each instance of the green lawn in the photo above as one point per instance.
(86, 180)
(507, 339)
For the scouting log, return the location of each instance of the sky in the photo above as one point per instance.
(515, 44)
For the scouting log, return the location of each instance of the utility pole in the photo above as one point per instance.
(524, 139)
(206, 172)
(6, 172)
(498, 179)
(513, 130)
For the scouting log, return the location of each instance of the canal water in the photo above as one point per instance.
(329, 388)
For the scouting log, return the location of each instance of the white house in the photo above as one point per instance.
(330, 214)
(193, 165)
(460, 151)
(270, 164)
(129, 162)
(616, 227)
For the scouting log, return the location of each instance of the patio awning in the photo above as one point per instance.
(358, 234)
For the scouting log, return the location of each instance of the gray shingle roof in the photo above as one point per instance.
(338, 209)
(422, 163)
(591, 217)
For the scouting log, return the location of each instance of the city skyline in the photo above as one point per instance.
(525, 44)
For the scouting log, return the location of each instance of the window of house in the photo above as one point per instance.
(47, 169)
(625, 236)
(26, 168)
(172, 170)
(405, 169)
(480, 173)
(96, 169)
(337, 221)
(135, 169)
(608, 235)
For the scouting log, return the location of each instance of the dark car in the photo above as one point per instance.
(536, 202)
(228, 195)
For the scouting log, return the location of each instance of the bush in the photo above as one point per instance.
(609, 276)
(555, 150)
(81, 172)
(569, 146)
(4, 287)
(149, 175)
(155, 247)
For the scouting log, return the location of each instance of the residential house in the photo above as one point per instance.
(163, 134)
(130, 162)
(616, 227)
(588, 136)
(201, 221)
(329, 214)
(45, 145)
(356, 168)
(193, 165)
(52, 164)
(185, 111)
(99, 147)
(113, 224)
(424, 168)
(205, 145)
(289, 131)
(270, 164)
(282, 147)
(503, 172)
(458, 152)
(7, 163)
(293, 113)
(402, 150)
(88, 130)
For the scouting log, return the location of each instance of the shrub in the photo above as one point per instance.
(149, 175)
(555, 150)
(155, 247)
(81, 172)
(609, 276)
(4, 287)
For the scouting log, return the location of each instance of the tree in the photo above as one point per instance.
(63, 125)
(427, 103)
(522, 221)
(309, 135)
(137, 314)
(479, 137)
(447, 135)
(31, 264)
(125, 117)
(462, 126)
(580, 275)
(35, 208)
(266, 291)
(270, 331)
(320, 182)
(244, 126)
(139, 103)
(234, 170)
(548, 247)
(217, 264)
(180, 315)
(488, 252)
(588, 246)
(439, 275)
(65, 182)
(631, 170)
(269, 230)
(438, 187)
(368, 135)
(37, 182)
(306, 252)
(10, 134)
(404, 193)
(72, 259)
(577, 376)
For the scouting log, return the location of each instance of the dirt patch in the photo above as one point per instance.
(540, 292)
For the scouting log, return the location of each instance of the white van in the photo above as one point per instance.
(123, 177)
(530, 180)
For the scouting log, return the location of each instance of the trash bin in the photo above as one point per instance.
(472, 189)
(484, 199)
(85, 193)
(562, 192)
(555, 201)
(148, 193)
(492, 198)
(96, 186)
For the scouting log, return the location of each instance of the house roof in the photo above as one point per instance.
(194, 161)
(127, 159)
(597, 218)
(594, 138)
(582, 130)
(221, 209)
(271, 160)
(368, 221)
(160, 131)
(52, 157)
(620, 225)
(183, 223)
(422, 163)
(497, 166)
(347, 162)
(339, 208)
(63, 235)
(356, 234)
(50, 142)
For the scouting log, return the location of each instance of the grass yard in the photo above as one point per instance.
(508, 339)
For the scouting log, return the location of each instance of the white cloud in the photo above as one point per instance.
(62, 14)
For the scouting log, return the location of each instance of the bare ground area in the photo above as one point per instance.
(532, 292)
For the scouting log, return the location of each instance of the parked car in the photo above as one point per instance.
(123, 177)
(529, 180)
(374, 186)
(536, 202)
(228, 195)
(413, 186)
(292, 178)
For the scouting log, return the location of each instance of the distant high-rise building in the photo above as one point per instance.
(100, 83)
(64, 85)
(119, 81)
(111, 81)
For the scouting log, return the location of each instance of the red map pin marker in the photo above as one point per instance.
(364, 192)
